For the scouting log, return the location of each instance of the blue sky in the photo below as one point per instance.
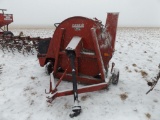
(141, 13)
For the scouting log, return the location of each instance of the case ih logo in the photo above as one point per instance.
(77, 27)
(7, 17)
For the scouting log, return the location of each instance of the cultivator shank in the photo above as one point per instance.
(21, 44)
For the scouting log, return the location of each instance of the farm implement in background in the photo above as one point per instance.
(22, 44)
(79, 52)
(154, 81)
(9, 42)
(5, 20)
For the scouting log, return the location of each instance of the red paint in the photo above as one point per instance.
(80, 90)
(5, 19)
(93, 42)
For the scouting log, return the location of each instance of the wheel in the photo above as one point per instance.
(115, 79)
(8, 33)
(49, 67)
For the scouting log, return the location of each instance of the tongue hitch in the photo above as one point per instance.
(70, 51)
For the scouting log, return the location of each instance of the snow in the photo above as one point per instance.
(23, 82)
(73, 43)
(87, 53)
(107, 39)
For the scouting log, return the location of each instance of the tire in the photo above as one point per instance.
(8, 33)
(115, 79)
(49, 68)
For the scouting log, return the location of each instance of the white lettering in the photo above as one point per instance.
(7, 17)
(77, 25)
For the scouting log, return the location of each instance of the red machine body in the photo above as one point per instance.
(93, 51)
(5, 20)
(80, 51)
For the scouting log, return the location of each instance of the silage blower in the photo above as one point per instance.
(79, 52)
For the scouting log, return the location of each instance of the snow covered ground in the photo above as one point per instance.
(137, 55)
